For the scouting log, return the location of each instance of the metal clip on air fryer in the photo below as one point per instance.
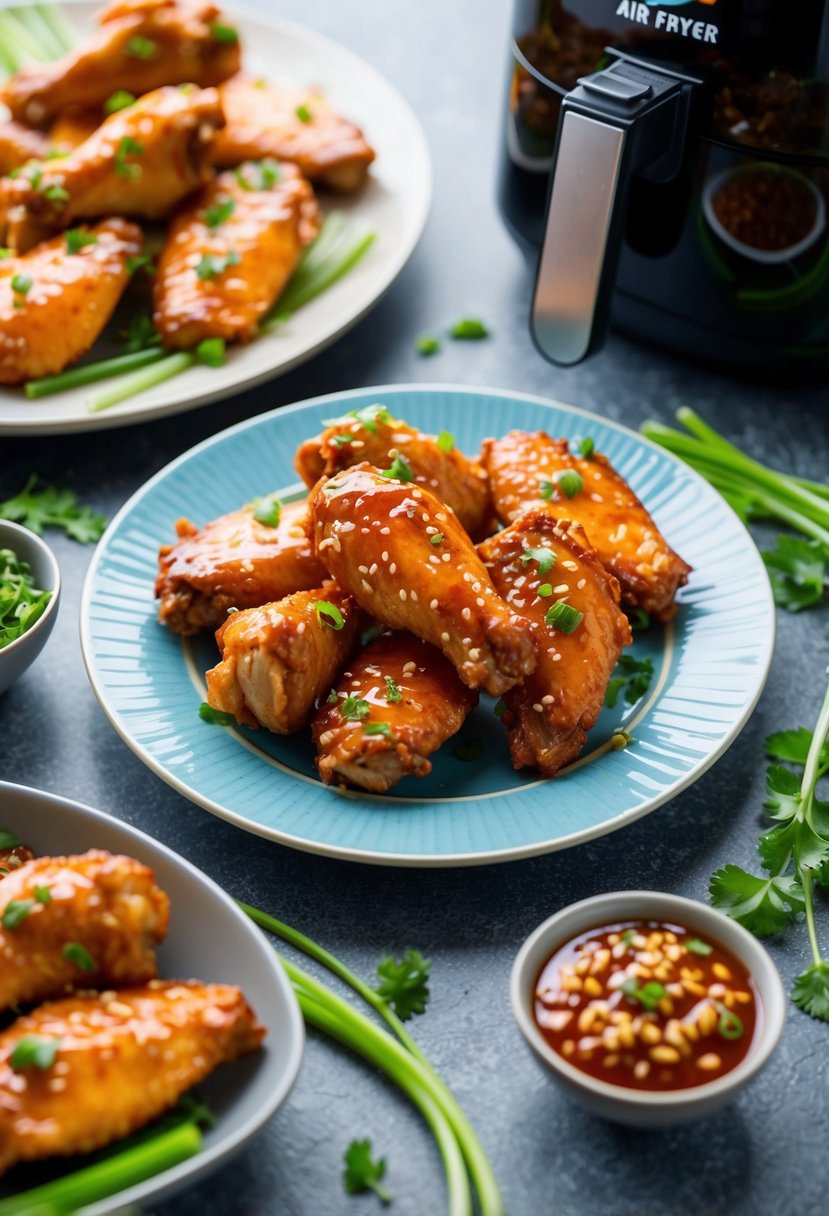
(624, 121)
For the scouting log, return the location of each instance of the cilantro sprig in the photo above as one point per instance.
(404, 985)
(632, 677)
(362, 1174)
(794, 852)
(40, 506)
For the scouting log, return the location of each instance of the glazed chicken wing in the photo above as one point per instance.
(535, 563)
(524, 469)
(122, 1058)
(140, 45)
(406, 559)
(19, 144)
(230, 252)
(399, 700)
(236, 561)
(279, 659)
(71, 922)
(371, 435)
(295, 125)
(54, 304)
(140, 162)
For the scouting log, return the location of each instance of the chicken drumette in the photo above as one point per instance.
(140, 45)
(77, 922)
(290, 124)
(405, 558)
(535, 564)
(139, 162)
(240, 560)
(55, 300)
(372, 436)
(397, 702)
(526, 469)
(19, 144)
(229, 253)
(119, 1059)
(279, 659)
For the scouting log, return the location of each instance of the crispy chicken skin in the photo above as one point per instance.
(431, 706)
(254, 251)
(19, 144)
(140, 45)
(141, 161)
(278, 660)
(13, 858)
(371, 435)
(233, 562)
(406, 559)
(69, 300)
(108, 904)
(123, 1058)
(549, 714)
(624, 535)
(263, 119)
(74, 125)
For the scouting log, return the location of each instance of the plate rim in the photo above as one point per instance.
(421, 201)
(424, 860)
(292, 1029)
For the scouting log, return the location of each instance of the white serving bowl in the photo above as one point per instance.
(16, 657)
(617, 1102)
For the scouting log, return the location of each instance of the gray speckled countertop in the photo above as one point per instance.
(766, 1153)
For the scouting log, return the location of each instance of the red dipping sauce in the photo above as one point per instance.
(647, 1005)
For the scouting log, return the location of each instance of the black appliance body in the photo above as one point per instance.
(666, 163)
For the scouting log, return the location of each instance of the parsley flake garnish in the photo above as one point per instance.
(354, 709)
(77, 239)
(76, 953)
(15, 912)
(633, 677)
(393, 693)
(128, 147)
(219, 211)
(119, 100)
(210, 265)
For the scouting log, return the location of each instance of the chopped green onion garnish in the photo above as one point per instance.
(15, 912)
(729, 1026)
(329, 614)
(34, 1051)
(619, 740)
(427, 345)
(628, 936)
(257, 174)
(56, 194)
(211, 352)
(223, 33)
(649, 995)
(43, 895)
(219, 211)
(639, 618)
(128, 147)
(211, 264)
(546, 488)
(77, 239)
(368, 417)
(469, 328)
(75, 952)
(545, 557)
(377, 728)
(587, 447)
(354, 708)
(140, 260)
(119, 100)
(393, 693)
(445, 441)
(563, 617)
(140, 47)
(216, 717)
(436, 539)
(21, 283)
(569, 482)
(303, 113)
(545, 590)
(267, 510)
(695, 946)
(400, 469)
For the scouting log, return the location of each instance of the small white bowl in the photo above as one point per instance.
(19, 654)
(644, 1108)
(766, 257)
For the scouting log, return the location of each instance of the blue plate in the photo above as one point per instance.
(710, 663)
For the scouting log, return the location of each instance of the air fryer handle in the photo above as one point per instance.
(617, 123)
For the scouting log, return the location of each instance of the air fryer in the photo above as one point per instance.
(666, 165)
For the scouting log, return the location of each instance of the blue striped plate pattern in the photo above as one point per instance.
(710, 663)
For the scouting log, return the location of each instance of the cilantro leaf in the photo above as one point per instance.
(633, 676)
(363, 1174)
(762, 905)
(811, 991)
(797, 571)
(43, 506)
(404, 985)
(782, 792)
(793, 746)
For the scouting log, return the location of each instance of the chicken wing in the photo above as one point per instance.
(296, 125)
(279, 659)
(140, 162)
(406, 559)
(236, 561)
(371, 435)
(54, 303)
(535, 563)
(525, 468)
(73, 126)
(19, 144)
(230, 252)
(121, 1059)
(399, 700)
(70, 922)
(140, 45)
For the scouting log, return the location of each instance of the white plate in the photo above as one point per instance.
(210, 939)
(394, 205)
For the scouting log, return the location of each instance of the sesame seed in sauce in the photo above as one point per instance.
(409, 668)
(581, 583)
(561, 589)
(402, 594)
(444, 637)
(466, 614)
(434, 604)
